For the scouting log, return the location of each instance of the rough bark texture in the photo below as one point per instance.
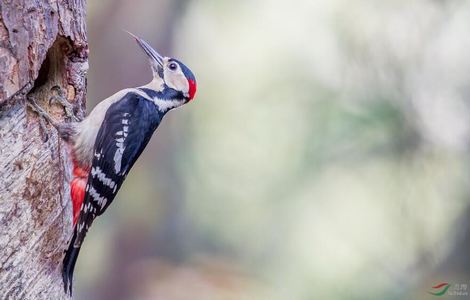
(42, 44)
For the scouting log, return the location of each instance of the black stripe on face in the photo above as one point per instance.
(166, 94)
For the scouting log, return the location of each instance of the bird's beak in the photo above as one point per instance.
(155, 58)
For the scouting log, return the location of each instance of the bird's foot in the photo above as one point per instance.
(59, 98)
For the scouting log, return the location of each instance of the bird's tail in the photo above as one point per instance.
(69, 263)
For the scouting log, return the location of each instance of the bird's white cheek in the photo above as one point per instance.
(178, 82)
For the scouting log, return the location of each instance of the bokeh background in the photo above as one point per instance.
(326, 155)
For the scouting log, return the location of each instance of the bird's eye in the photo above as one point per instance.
(172, 66)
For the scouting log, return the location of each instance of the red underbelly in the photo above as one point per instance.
(77, 189)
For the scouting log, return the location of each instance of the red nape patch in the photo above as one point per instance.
(192, 89)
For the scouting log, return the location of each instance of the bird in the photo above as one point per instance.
(105, 144)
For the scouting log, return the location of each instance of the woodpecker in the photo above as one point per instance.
(107, 143)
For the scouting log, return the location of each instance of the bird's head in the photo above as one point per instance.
(179, 82)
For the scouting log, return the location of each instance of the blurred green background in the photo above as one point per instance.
(325, 156)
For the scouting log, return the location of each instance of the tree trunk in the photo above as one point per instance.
(42, 45)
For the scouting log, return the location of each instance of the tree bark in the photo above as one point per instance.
(42, 45)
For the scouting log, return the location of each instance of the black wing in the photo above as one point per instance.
(126, 130)
(127, 127)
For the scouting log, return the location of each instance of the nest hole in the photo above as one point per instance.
(52, 72)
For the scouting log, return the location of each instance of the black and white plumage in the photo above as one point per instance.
(109, 141)
(126, 129)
